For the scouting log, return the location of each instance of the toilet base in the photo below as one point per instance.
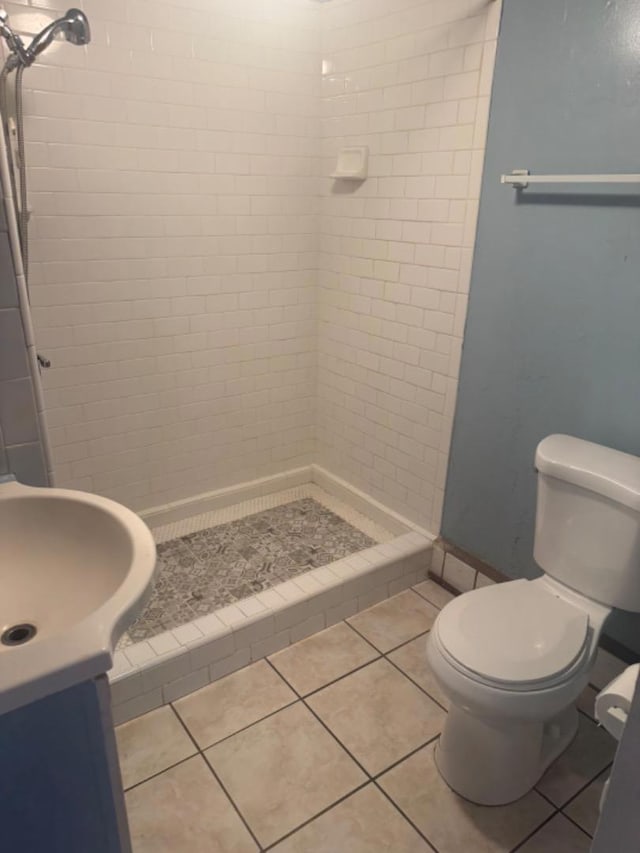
(493, 762)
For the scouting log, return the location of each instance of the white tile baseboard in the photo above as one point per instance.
(218, 507)
(203, 521)
(361, 502)
(455, 573)
(223, 498)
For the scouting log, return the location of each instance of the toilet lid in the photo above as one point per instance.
(513, 632)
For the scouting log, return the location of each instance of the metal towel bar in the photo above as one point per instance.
(520, 179)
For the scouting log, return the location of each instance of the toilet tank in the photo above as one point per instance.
(588, 519)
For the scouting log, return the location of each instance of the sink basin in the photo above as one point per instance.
(75, 571)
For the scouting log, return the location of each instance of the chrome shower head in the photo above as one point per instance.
(74, 26)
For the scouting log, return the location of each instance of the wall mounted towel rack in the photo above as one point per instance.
(520, 179)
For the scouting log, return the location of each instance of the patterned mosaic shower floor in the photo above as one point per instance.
(201, 572)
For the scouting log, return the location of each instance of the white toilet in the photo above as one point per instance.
(513, 658)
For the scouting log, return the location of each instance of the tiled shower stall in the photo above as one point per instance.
(230, 328)
(217, 309)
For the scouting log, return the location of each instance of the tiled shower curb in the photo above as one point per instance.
(177, 662)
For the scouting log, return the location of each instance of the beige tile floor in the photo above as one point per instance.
(327, 747)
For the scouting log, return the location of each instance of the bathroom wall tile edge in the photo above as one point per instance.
(24, 442)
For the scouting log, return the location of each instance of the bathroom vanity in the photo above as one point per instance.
(60, 785)
(75, 571)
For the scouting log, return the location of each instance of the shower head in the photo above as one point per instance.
(74, 26)
(77, 29)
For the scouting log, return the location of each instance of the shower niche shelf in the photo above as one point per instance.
(353, 164)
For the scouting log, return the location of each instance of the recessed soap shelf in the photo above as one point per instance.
(353, 164)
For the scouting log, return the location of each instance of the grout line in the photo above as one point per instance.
(576, 824)
(358, 634)
(324, 725)
(586, 785)
(216, 777)
(386, 657)
(233, 802)
(404, 815)
(160, 772)
(547, 820)
(299, 696)
(372, 776)
(418, 636)
(339, 742)
(244, 728)
(394, 648)
(369, 778)
(419, 686)
(428, 600)
(335, 680)
(573, 796)
(544, 796)
(324, 811)
(408, 755)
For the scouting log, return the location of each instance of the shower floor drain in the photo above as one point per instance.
(16, 635)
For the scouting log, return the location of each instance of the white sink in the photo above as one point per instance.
(79, 569)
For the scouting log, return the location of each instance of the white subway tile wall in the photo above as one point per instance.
(178, 214)
(174, 187)
(411, 80)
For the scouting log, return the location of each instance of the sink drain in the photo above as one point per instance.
(16, 635)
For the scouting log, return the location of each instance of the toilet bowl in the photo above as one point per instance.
(513, 692)
(513, 658)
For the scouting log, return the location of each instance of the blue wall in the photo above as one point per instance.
(553, 333)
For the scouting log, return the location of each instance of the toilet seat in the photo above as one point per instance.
(517, 635)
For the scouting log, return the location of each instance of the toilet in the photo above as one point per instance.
(514, 657)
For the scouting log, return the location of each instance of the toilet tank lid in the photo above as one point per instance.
(602, 470)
